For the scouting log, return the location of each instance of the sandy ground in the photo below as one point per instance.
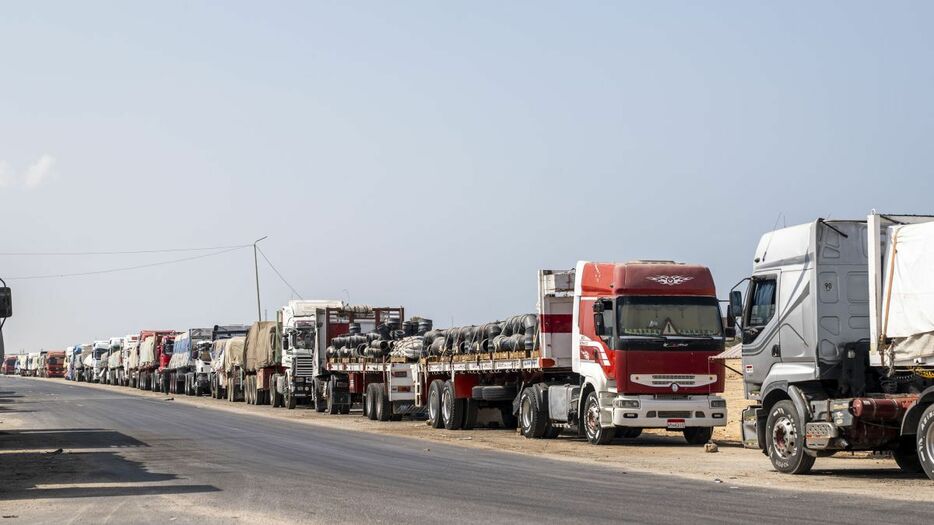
(655, 451)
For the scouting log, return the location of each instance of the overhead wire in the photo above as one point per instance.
(120, 252)
(279, 274)
(128, 268)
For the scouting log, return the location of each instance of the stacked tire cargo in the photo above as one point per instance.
(401, 344)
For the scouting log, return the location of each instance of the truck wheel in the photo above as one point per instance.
(531, 422)
(368, 406)
(785, 440)
(383, 408)
(274, 396)
(452, 409)
(906, 456)
(595, 432)
(332, 406)
(434, 404)
(290, 400)
(628, 432)
(925, 440)
(318, 400)
(698, 435)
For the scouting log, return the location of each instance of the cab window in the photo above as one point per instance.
(762, 302)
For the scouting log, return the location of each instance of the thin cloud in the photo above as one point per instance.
(37, 174)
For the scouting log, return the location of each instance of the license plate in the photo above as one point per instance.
(675, 424)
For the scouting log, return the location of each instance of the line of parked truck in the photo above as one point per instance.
(837, 331)
(35, 364)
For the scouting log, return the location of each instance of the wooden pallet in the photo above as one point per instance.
(397, 359)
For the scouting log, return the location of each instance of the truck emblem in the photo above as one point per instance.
(670, 280)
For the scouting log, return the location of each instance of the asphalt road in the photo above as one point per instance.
(129, 459)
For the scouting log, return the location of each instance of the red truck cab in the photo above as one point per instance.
(645, 333)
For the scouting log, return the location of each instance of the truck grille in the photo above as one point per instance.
(683, 414)
(304, 366)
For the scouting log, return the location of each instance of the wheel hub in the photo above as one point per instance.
(785, 437)
(592, 419)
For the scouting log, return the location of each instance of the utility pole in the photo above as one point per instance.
(259, 312)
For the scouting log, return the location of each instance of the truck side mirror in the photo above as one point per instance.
(6, 303)
(735, 309)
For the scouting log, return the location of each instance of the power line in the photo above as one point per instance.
(279, 274)
(119, 252)
(127, 268)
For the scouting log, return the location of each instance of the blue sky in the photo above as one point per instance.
(433, 154)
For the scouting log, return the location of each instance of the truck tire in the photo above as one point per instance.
(434, 404)
(318, 399)
(532, 421)
(333, 408)
(925, 440)
(381, 403)
(289, 400)
(697, 435)
(452, 409)
(368, 407)
(596, 434)
(906, 456)
(275, 399)
(628, 432)
(784, 435)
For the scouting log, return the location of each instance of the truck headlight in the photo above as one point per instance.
(627, 403)
(717, 403)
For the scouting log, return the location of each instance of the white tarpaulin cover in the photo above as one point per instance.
(908, 290)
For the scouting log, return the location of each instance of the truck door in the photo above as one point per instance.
(761, 338)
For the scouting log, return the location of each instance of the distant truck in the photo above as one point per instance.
(21, 365)
(130, 361)
(95, 363)
(81, 355)
(114, 366)
(249, 373)
(9, 365)
(189, 368)
(298, 323)
(155, 352)
(838, 341)
(32, 363)
(221, 349)
(614, 348)
(52, 364)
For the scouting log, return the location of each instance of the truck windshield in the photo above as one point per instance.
(305, 339)
(663, 316)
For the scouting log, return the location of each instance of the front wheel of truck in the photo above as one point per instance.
(925, 440)
(784, 432)
(698, 435)
(595, 432)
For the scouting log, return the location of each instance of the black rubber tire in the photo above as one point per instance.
(906, 456)
(453, 410)
(275, 398)
(531, 423)
(289, 400)
(332, 407)
(369, 402)
(434, 404)
(784, 439)
(318, 400)
(697, 435)
(925, 441)
(471, 411)
(595, 434)
(628, 432)
(498, 393)
(381, 403)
